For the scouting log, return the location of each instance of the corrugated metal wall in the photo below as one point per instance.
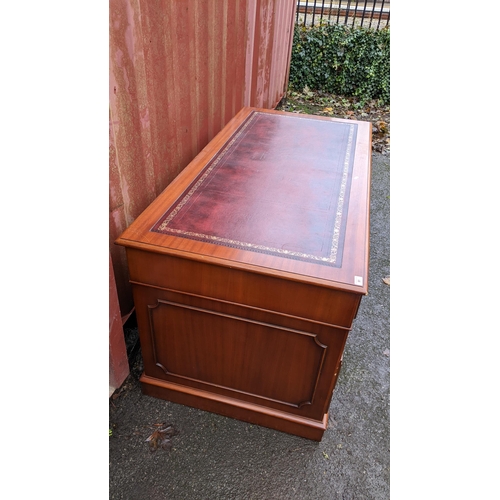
(268, 51)
(179, 71)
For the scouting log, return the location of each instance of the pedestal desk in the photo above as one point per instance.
(248, 269)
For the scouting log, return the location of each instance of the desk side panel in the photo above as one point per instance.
(261, 357)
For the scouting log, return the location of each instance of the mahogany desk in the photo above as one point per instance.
(249, 268)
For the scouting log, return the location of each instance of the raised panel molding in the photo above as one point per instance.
(159, 315)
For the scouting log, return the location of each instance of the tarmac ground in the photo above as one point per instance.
(215, 457)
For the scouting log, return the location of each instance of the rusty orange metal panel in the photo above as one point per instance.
(284, 27)
(179, 71)
(268, 52)
(118, 362)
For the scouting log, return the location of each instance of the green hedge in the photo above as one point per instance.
(342, 60)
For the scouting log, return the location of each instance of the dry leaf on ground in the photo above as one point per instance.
(161, 437)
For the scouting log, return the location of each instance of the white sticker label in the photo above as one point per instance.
(358, 280)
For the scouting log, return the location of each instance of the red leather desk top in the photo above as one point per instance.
(277, 184)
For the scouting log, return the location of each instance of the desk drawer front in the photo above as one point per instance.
(308, 301)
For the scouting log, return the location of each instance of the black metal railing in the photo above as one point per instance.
(366, 13)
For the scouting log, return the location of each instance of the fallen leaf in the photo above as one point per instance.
(161, 437)
(387, 280)
(325, 455)
(387, 352)
(382, 126)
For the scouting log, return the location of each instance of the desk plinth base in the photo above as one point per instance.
(230, 407)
